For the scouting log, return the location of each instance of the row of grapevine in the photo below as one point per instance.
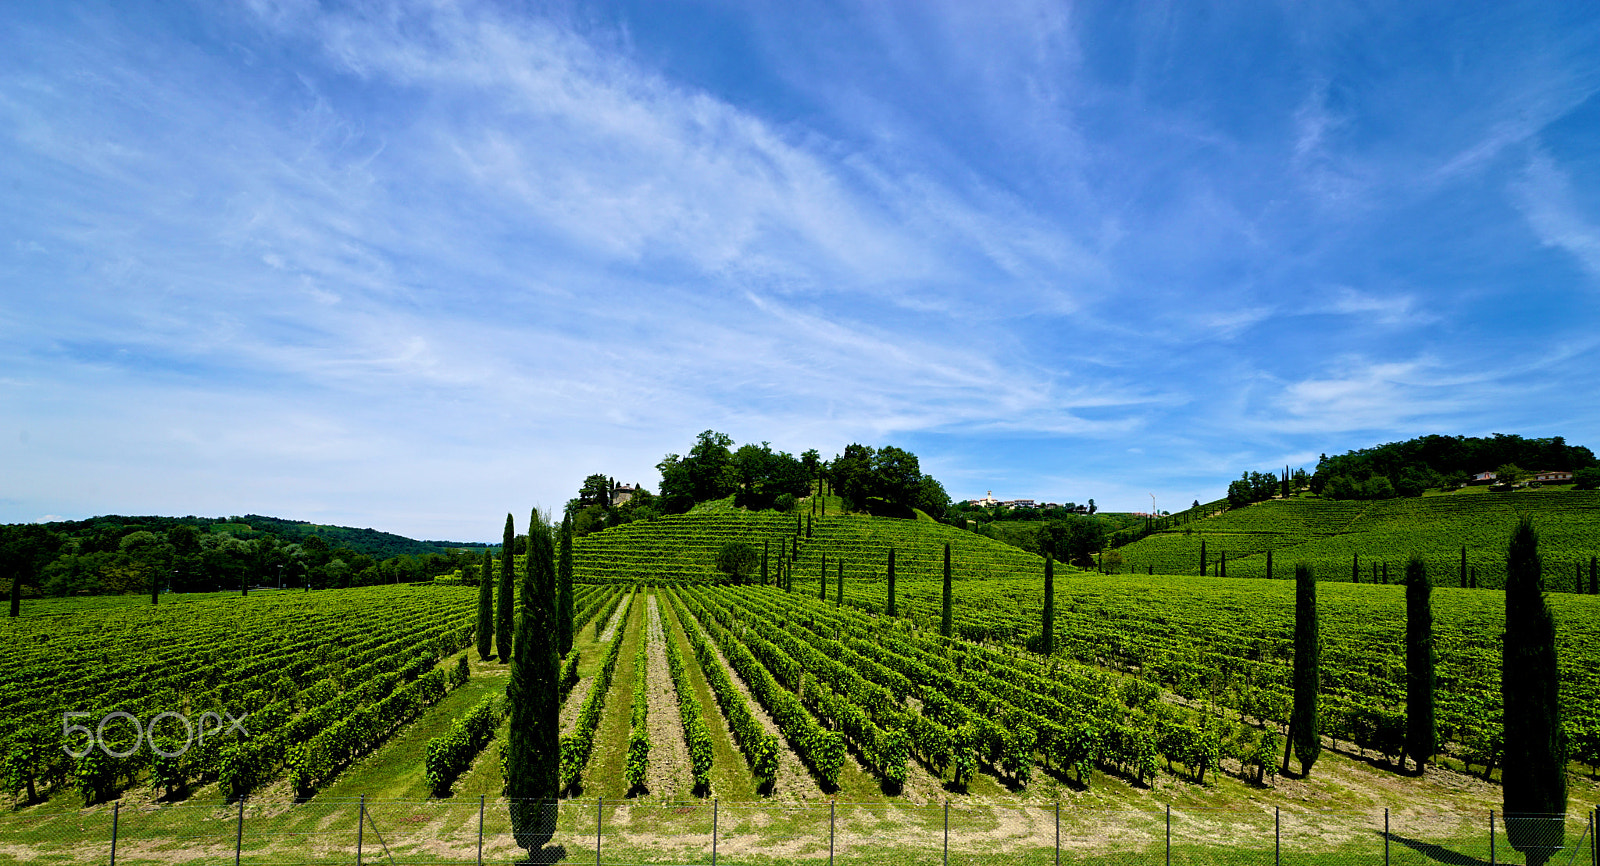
(578, 745)
(822, 750)
(638, 765)
(696, 736)
(760, 748)
(451, 753)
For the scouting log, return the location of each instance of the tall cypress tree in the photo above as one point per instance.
(533, 754)
(16, 593)
(1534, 771)
(485, 609)
(944, 617)
(1463, 566)
(1202, 557)
(506, 615)
(1049, 604)
(891, 610)
(766, 548)
(1269, 565)
(838, 594)
(1307, 675)
(1594, 575)
(822, 588)
(564, 601)
(1421, 739)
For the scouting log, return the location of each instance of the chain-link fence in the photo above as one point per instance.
(709, 833)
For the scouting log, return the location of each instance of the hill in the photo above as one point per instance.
(1333, 535)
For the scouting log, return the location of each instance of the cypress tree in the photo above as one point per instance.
(1421, 739)
(1463, 566)
(1222, 565)
(533, 754)
(1355, 568)
(1049, 604)
(822, 591)
(1269, 565)
(564, 601)
(1594, 575)
(485, 609)
(506, 615)
(808, 526)
(16, 593)
(1534, 770)
(891, 608)
(1202, 557)
(1307, 676)
(766, 547)
(838, 595)
(944, 617)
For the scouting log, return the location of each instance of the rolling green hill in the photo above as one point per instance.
(1329, 535)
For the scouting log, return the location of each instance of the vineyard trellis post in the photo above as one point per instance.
(599, 819)
(713, 831)
(1277, 836)
(116, 808)
(1491, 838)
(832, 807)
(238, 838)
(480, 830)
(1385, 837)
(361, 826)
(946, 833)
(1169, 835)
(1058, 833)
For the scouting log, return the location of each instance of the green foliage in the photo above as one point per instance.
(1072, 539)
(505, 615)
(1304, 722)
(637, 769)
(1534, 778)
(946, 603)
(738, 560)
(1421, 727)
(564, 600)
(533, 768)
(485, 609)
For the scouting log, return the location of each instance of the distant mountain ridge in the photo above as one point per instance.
(372, 542)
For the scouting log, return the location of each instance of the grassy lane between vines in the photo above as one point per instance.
(603, 777)
(730, 774)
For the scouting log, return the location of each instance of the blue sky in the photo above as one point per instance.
(415, 265)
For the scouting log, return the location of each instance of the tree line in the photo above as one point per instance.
(112, 554)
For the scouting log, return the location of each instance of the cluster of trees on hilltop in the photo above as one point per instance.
(1410, 467)
(885, 480)
(114, 554)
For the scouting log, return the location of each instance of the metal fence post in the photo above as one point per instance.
(832, 807)
(361, 827)
(1491, 838)
(238, 839)
(599, 816)
(947, 833)
(1169, 834)
(1385, 837)
(480, 830)
(1058, 833)
(115, 809)
(1277, 836)
(713, 831)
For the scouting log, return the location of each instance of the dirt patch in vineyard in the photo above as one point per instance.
(573, 707)
(669, 760)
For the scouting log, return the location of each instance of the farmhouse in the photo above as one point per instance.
(1557, 476)
(1482, 478)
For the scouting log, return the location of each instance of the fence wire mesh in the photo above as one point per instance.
(710, 833)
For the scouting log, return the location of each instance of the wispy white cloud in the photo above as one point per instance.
(1545, 195)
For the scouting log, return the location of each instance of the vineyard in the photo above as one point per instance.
(680, 686)
(1342, 538)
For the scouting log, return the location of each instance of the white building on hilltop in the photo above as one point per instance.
(986, 502)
